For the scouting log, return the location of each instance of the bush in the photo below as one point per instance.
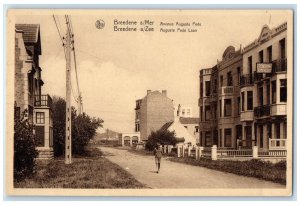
(24, 147)
(163, 137)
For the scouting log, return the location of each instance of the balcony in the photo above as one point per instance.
(258, 77)
(226, 90)
(43, 101)
(246, 80)
(277, 144)
(262, 111)
(279, 65)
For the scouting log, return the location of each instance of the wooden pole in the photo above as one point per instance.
(68, 140)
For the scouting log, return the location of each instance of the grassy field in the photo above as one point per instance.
(253, 168)
(90, 171)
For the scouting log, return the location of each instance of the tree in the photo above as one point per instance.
(59, 124)
(24, 146)
(163, 137)
(83, 128)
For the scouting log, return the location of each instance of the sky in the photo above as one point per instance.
(117, 68)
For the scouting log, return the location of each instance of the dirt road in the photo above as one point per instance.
(176, 175)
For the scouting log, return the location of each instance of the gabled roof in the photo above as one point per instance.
(31, 32)
(189, 120)
(31, 36)
(166, 126)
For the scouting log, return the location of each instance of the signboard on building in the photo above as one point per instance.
(264, 67)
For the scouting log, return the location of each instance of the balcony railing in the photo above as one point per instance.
(246, 80)
(261, 76)
(279, 65)
(226, 90)
(43, 101)
(262, 111)
(277, 144)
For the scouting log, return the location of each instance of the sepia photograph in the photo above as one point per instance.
(106, 102)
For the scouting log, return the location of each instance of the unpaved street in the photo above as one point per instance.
(176, 175)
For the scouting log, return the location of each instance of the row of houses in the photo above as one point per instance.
(243, 98)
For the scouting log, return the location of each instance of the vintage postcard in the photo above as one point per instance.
(149, 102)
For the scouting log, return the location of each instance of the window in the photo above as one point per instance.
(215, 86)
(229, 79)
(207, 88)
(269, 52)
(207, 112)
(273, 84)
(268, 92)
(30, 83)
(196, 129)
(283, 90)
(238, 100)
(201, 89)
(40, 118)
(183, 112)
(261, 95)
(249, 100)
(220, 107)
(201, 113)
(221, 80)
(261, 56)
(238, 75)
(188, 111)
(227, 136)
(227, 107)
(207, 139)
(137, 127)
(243, 101)
(185, 127)
(282, 48)
(250, 68)
(215, 111)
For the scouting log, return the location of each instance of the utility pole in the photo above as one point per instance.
(68, 140)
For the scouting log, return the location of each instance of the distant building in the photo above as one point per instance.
(129, 139)
(192, 126)
(184, 111)
(152, 112)
(28, 83)
(180, 131)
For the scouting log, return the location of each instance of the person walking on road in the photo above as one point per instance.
(158, 155)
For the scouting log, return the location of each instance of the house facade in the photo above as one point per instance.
(243, 98)
(264, 89)
(152, 112)
(219, 120)
(28, 86)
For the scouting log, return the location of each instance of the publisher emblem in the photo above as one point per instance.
(100, 24)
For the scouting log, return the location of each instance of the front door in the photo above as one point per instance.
(248, 132)
(40, 136)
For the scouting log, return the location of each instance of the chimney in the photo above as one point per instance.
(164, 92)
(148, 92)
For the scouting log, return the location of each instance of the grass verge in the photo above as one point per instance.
(90, 171)
(253, 168)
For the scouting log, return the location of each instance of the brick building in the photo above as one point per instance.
(28, 84)
(152, 112)
(219, 95)
(243, 98)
